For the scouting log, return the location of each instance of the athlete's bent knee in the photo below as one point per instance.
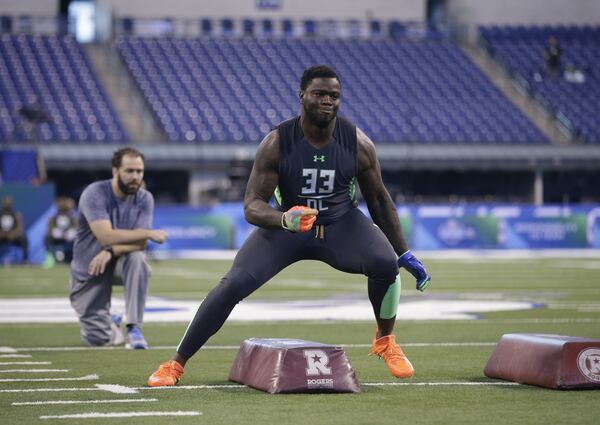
(382, 268)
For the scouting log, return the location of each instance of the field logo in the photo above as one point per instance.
(588, 362)
(317, 363)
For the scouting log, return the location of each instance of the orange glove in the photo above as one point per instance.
(299, 219)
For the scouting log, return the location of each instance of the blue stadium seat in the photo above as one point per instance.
(310, 27)
(248, 27)
(206, 27)
(266, 28)
(375, 28)
(234, 90)
(287, 27)
(227, 27)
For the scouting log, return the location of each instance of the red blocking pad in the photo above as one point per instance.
(551, 361)
(277, 365)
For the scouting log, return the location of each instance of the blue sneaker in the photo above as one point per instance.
(117, 334)
(135, 339)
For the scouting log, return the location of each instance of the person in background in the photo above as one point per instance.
(552, 56)
(115, 224)
(32, 116)
(61, 232)
(12, 228)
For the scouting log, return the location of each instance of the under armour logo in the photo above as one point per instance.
(317, 363)
(318, 158)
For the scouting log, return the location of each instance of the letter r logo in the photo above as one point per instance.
(317, 363)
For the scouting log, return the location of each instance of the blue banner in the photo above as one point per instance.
(426, 227)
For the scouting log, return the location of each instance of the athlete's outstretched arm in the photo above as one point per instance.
(383, 211)
(262, 183)
(379, 202)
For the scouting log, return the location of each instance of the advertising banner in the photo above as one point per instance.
(554, 232)
(193, 228)
(425, 227)
(466, 232)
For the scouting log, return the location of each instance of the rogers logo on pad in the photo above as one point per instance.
(588, 362)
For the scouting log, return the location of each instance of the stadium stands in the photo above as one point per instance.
(52, 75)
(227, 88)
(397, 90)
(575, 103)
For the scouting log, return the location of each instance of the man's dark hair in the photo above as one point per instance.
(317, 71)
(118, 155)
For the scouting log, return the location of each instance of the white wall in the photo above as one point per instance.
(413, 10)
(468, 14)
(526, 12)
(45, 8)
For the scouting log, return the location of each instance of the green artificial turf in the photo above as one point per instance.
(568, 291)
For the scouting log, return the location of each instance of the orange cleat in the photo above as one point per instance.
(167, 375)
(397, 363)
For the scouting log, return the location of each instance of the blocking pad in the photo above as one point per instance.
(551, 361)
(277, 365)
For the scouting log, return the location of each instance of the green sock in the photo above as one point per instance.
(389, 304)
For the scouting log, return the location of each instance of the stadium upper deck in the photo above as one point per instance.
(572, 98)
(418, 96)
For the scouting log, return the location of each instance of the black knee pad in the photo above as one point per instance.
(382, 269)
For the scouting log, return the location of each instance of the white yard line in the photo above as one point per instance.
(81, 378)
(34, 370)
(15, 356)
(133, 390)
(235, 347)
(7, 350)
(111, 388)
(366, 384)
(96, 415)
(23, 363)
(44, 402)
(116, 389)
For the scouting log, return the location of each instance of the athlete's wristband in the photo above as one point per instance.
(283, 225)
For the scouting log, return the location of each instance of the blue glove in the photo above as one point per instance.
(416, 268)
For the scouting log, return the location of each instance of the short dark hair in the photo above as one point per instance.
(118, 155)
(317, 71)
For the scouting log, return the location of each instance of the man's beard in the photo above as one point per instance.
(318, 120)
(130, 189)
